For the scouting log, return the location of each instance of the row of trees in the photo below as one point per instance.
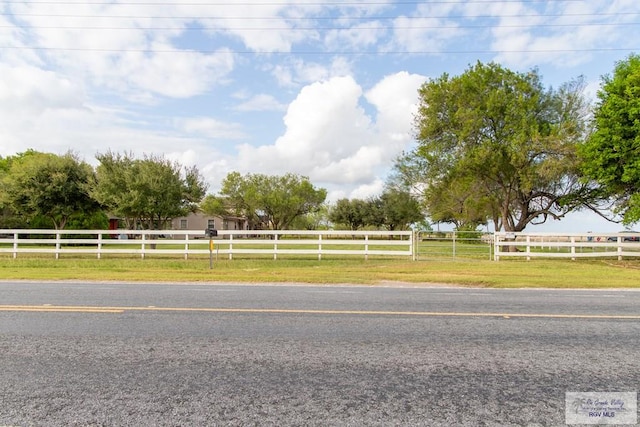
(496, 145)
(49, 190)
(393, 210)
(42, 190)
(292, 202)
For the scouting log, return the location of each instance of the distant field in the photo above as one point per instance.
(478, 271)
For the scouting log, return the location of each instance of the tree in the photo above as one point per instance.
(352, 213)
(455, 202)
(271, 201)
(399, 209)
(611, 155)
(317, 220)
(494, 144)
(394, 210)
(148, 192)
(213, 205)
(8, 218)
(49, 186)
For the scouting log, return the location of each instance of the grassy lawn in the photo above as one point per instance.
(514, 273)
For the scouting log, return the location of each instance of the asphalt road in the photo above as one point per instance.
(106, 354)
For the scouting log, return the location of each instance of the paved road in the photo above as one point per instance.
(180, 355)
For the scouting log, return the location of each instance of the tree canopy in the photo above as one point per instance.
(611, 155)
(352, 213)
(148, 192)
(394, 209)
(496, 145)
(48, 186)
(269, 201)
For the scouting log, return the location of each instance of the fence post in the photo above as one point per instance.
(491, 248)
(99, 245)
(275, 247)
(366, 247)
(230, 246)
(319, 247)
(57, 244)
(413, 245)
(620, 248)
(15, 245)
(143, 237)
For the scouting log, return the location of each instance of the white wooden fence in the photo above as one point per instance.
(194, 242)
(568, 245)
(230, 243)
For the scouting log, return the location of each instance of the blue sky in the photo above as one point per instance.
(323, 89)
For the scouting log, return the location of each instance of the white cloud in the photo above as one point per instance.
(366, 191)
(117, 48)
(395, 98)
(330, 138)
(178, 74)
(566, 35)
(426, 29)
(261, 102)
(296, 72)
(359, 36)
(210, 128)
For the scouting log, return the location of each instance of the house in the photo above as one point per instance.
(200, 221)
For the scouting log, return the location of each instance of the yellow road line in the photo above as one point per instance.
(58, 309)
(94, 309)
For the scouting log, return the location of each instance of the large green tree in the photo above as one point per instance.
(399, 209)
(611, 155)
(48, 186)
(494, 144)
(350, 212)
(148, 192)
(270, 201)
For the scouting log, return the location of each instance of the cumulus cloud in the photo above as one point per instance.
(395, 98)
(330, 137)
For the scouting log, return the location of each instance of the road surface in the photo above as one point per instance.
(117, 354)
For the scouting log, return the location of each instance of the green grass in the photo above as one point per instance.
(512, 273)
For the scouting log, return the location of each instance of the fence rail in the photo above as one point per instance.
(194, 242)
(569, 245)
(277, 243)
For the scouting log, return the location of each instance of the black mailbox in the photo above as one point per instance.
(211, 232)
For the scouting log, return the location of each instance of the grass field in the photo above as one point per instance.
(608, 273)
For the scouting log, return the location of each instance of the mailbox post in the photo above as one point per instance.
(211, 233)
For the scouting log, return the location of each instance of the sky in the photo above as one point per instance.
(324, 89)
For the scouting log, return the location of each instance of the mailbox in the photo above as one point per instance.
(211, 232)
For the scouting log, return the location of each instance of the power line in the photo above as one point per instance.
(324, 18)
(314, 3)
(322, 53)
(419, 27)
